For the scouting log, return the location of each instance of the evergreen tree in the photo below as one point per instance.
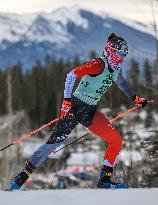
(93, 54)
(76, 61)
(58, 79)
(148, 76)
(134, 76)
(3, 92)
(17, 86)
(148, 72)
(151, 146)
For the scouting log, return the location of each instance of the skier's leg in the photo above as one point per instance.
(103, 128)
(61, 132)
(21, 178)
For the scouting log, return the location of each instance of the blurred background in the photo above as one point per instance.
(40, 42)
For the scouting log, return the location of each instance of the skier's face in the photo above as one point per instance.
(120, 55)
(115, 55)
(116, 58)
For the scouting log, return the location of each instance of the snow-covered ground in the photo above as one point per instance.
(80, 197)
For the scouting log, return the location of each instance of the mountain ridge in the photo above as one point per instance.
(65, 33)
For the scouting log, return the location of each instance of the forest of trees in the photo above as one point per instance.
(39, 92)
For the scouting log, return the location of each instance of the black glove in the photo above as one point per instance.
(139, 101)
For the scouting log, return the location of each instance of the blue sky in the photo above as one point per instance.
(133, 9)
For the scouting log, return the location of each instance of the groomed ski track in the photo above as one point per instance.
(80, 197)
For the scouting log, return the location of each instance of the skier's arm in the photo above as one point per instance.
(69, 84)
(93, 67)
(121, 83)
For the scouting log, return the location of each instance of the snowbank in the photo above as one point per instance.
(80, 197)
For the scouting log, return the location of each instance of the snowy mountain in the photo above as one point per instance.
(80, 197)
(65, 33)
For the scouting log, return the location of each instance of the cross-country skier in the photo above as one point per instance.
(81, 107)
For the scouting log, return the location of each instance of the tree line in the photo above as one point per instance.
(39, 90)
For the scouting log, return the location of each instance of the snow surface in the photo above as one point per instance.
(138, 25)
(88, 158)
(52, 26)
(80, 197)
(60, 32)
(127, 156)
(40, 26)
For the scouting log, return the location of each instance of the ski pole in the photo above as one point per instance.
(152, 101)
(30, 134)
(130, 110)
(124, 113)
(53, 121)
(55, 151)
(111, 121)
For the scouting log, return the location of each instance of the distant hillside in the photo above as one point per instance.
(65, 33)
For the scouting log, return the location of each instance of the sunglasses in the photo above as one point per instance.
(123, 53)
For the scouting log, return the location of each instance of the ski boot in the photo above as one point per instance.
(105, 181)
(21, 178)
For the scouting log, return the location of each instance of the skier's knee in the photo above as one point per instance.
(116, 141)
(42, 153)
(119, 142)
